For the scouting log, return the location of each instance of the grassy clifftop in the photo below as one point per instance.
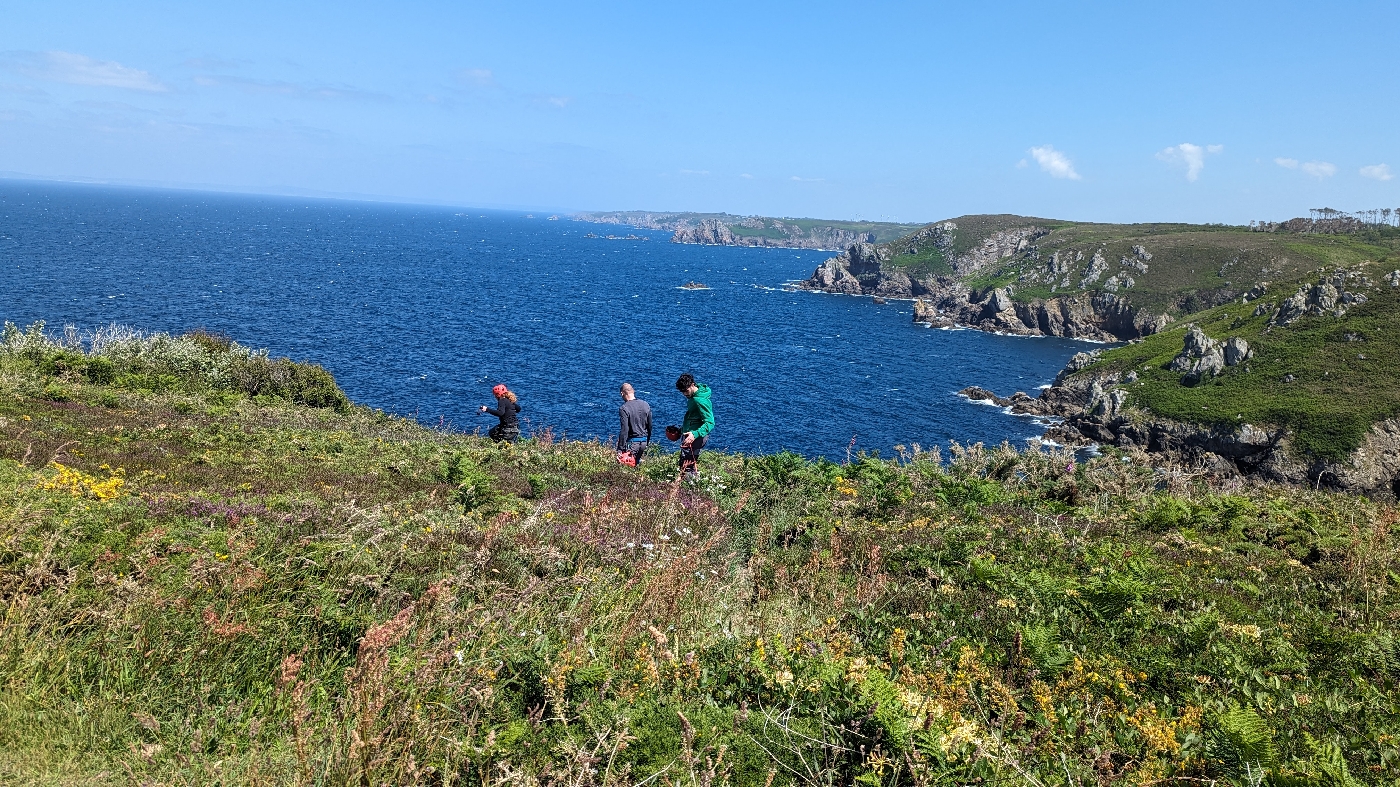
(205, 584)
(1165, 268)
(1325, 378)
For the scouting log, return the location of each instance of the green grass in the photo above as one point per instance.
(1193, 267)
(1336, 394)
(204, 587)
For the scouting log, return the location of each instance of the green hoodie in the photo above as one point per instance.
(699, 415)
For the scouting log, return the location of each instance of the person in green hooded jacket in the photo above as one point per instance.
(698, 424)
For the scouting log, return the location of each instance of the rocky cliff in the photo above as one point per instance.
(948, 299)
(1034, 277)
(1300, 391)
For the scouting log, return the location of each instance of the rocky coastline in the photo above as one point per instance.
(754, 231)
(946, 301)
(1093, 409)
(713, 232)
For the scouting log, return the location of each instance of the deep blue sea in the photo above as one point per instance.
(420, 310)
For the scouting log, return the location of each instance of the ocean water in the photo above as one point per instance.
(420, 310)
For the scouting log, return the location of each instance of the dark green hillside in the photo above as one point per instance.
(1343, 371)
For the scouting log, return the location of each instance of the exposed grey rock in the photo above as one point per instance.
(1394, 278)
(831, 276)
(1321, 299)
(1195, 346)
(1098, 266)
(1118, 281)
(1255, 293)
(1236, 351)
(710, 232)
(999, 301)
(998, 246)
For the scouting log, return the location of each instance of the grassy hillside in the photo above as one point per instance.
(1325, 378)
(1191, 267)
(206, 582)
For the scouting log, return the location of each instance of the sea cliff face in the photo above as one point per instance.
(943, 300)
(1298, 390)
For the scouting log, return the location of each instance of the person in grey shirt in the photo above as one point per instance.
(634, 432)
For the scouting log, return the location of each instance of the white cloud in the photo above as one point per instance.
(746, 176)
(1320, 169)
(75, 69)
(1377, 172)
(558, 101)
(1193, 157)
(807, 180)
(480, 77)
(289, 89)
(1054, 162)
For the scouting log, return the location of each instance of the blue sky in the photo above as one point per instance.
(904, 111)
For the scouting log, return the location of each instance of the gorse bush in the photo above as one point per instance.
(157, 363)
(219, 588)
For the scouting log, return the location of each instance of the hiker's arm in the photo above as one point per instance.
(707, 416)
(489, 411)
(622, 429)
(648, 424)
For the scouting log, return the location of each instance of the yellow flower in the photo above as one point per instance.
(1006, 603)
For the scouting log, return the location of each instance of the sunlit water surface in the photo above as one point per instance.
(420, 310)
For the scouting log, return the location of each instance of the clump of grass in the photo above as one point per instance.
(198, 362)
(283, 594)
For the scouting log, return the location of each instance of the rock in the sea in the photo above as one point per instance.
(832, 276)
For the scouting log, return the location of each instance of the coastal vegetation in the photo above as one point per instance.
(215, 569)
(1326, 379)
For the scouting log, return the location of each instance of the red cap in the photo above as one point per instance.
(499, 390)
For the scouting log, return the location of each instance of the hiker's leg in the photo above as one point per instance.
(690, 458)
(638, 450)
(496, 433)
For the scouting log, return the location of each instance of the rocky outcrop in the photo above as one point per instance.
(1202, 357)
(1102, 317)
(712, 232)
(1327, 298)
(946, 301)
(1097, 408)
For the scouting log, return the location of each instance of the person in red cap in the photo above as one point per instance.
(507, 408)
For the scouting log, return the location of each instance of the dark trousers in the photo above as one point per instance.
(504, 434)
(690, 456)
(637, 450)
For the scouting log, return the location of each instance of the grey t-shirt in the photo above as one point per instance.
(636, 422)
